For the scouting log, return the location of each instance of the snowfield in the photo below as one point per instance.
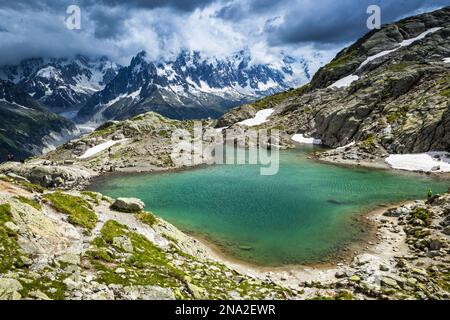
(426, 162)
(344, 82)
(99, 148)
(300, 138)
(260, 117)
(49, 73)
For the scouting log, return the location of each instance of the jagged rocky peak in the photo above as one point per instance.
(191, 69)
(192, 85)
(61, 84)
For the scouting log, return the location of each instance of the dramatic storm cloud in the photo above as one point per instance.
(120, 29)
(334, 22)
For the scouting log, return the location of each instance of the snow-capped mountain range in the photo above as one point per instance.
(187, 86)
(193, 86)
(61, 84)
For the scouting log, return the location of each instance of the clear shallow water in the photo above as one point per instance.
(304, 214)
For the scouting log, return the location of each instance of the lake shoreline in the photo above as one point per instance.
(141, 167)
(375, 241)
(362, 220)
(343, 256)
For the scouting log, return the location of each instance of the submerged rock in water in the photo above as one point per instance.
(335, 201)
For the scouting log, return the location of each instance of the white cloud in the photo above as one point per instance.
(216, 28)
(162, 32)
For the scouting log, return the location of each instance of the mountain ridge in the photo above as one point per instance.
(26, 127)
(191, 86)
(61, 84)
(392, 98)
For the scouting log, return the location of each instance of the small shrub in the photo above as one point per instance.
(422, 214)
(5, 213)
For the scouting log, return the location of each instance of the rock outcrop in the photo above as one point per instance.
(128, 205)
(50, 250)
(47, 175)
(72, 245)
(397, 103)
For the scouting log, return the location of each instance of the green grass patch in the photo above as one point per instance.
(78, 209)
(94, 197)
(275, 99)
(44, 284)
(112, 229)
(5, 213)
(369, 142)
(138, 118)
(400, 67)
(342, 60)
(104, 130)
(10, 255)
(445, 93)
(147, 265)
(422, 214)
(9, 248)
(31, 187)
(31, 202)
(100, 254)
(147, 218)
(150, 265)
(342, 295)
(399, 114)
(444, 80)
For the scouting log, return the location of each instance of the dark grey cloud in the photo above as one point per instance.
(183, 5)
(37, 4)
(121, 28)
(241, 9)
(108, 16)
(109, 23)
(328, 22)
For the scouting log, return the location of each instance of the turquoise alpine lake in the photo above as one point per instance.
(304, 214)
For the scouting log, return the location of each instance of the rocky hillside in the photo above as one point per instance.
(143, 143)
(192, 86)
(56, 245)
(394, 99)
(26, 127)
(83, 245)
(388, 93)
(61, 84)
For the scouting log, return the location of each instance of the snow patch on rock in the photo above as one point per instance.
(99, 148)
(260, 117)
(300, 138)
(425, 162)
(348, 80)
(344, 82)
